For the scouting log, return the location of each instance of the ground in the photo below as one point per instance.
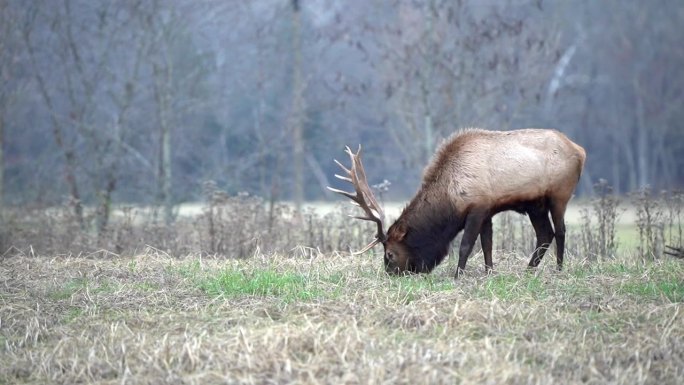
(337, 319)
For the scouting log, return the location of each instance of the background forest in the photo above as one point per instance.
(142, 101)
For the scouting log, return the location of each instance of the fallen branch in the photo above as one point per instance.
(677, 252)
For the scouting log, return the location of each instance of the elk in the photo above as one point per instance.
(474, 175)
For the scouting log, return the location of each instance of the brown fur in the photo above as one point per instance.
(476, 174)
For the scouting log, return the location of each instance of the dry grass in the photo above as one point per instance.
(335, 319)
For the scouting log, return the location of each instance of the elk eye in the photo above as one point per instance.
(390, 256)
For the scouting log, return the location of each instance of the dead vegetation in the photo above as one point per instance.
(151, 319)
(227, 227)
(247, 293)
(242, 225)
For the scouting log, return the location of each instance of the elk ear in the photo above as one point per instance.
(399, 231)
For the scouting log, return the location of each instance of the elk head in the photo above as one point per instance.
(396, 256)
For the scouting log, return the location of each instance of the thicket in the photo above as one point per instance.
(238, 226)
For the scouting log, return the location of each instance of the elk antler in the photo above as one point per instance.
(363, 196)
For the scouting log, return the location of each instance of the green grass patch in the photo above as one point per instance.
(410, 288)
(289, 286)
(68, 289)
(75, 285)
(651, 280)
(618, 269)
(72, 314)
(147, 286)
(106, 286)
(613, 269)
(670, 289)
(513, 287)
(336, 278)
(190, 270)
(601, 322)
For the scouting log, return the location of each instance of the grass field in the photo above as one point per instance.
(336, 319)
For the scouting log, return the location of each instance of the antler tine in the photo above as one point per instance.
(342, 166)
(368, 247)
(358, 175)
(349, 195)
(362, 195)
(361, 184)
(343, 178)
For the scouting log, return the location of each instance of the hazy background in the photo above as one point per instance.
(141, 101)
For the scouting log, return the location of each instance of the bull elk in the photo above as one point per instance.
(474, 175)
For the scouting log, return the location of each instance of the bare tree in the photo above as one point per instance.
(8, 67)
(36, 15)
(297, 116)
(96, 90)
(445, 65)
(161, 29)
(626, 73)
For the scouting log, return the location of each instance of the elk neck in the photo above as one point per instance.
(431, 222)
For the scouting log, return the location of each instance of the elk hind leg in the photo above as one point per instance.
(558, 216)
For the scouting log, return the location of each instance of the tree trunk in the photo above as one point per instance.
(615, 160)
(162, 89)
(632, 177)
(642, 139)
(426, 85)
(68, 152)
(297, 113)
(642, 156)
(2, 163)
(166, 174)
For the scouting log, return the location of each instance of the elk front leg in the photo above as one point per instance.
(544, 233)
(472, 230)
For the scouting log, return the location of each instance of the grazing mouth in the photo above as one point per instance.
(393, 270)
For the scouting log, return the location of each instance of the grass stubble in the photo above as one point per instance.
(336, 319)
